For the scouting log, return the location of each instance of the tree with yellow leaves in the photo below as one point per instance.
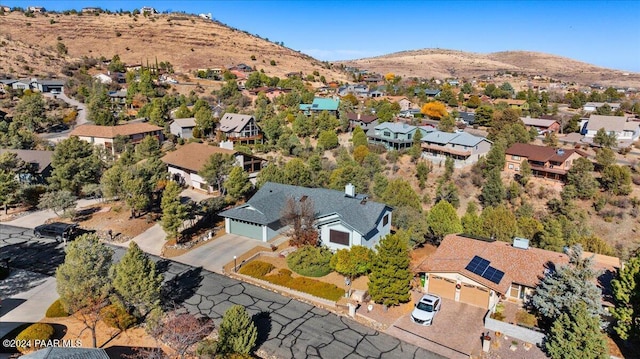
(389, 77)
(435, 110)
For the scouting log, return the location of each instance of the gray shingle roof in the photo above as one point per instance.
(234, 122)
(395, 127)
(185, 122)
(439, 137)
(67, 353)
(609, 123)
(266, 206)
(466, 139)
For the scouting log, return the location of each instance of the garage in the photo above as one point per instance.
(245, 229)
(474, 295)
(444, 287)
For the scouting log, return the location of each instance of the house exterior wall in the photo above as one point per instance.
(190, 179)
(383, 231)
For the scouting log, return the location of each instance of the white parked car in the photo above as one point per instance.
(426, 309)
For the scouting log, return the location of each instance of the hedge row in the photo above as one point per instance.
(56, 310)
(34, 332)
(310, 261)
(256, 269)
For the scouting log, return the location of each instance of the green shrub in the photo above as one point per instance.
(56, 310)
(310, 261)
(306, 285)
(37, 331)
(256, 269)
(524, 318)
(117, 317)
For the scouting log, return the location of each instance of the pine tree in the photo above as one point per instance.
(471, 222)
(359, 138)
(173, 212)
(576, 334)
(442, 219)
(499, 223)
(551, 237)
(493, 192)
(237, 333)
(390, 278)
(352, 262)
(525, 173)
(561, 290)
(136, 281)
(237, 184)
(83, 280)
(626, 292)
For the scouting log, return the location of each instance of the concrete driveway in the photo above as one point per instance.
(35, 218)
(455, 333)
(150, 241)
(220, 251)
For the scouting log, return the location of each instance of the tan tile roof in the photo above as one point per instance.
(113, 131)
(193, 156)
(522, 266)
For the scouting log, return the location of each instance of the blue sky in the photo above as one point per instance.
(604, 33)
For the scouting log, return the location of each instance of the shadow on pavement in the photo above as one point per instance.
(9, 304)
(162, 266)
(12, 335)
(180, 288)
(262, 320)
(35, 256)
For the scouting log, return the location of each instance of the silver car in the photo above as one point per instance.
(426, 309)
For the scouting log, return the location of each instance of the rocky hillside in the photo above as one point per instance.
(440, 63)
(186, 41)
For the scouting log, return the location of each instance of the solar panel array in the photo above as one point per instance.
(481, 267)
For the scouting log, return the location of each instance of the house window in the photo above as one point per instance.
(339, 237)
(385, 220)
(510, 166)
(386, 134)
(516, 158)
(408, 136)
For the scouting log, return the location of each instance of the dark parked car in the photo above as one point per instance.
(58, 230)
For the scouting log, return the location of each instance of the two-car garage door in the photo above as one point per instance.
(245, 229)
(469, 294)
(473, 295)
(444, 287)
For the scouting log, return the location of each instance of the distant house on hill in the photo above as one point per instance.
(187, 161)
(148, 10)
(105, 136)
(593, 106)
(545, 162)
(365, 122)
(320, 104)
(240, 128)
(34, 84)
(183, 127)
(38, 164)
(540, 124)
(622, 127)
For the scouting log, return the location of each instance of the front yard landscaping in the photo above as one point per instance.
(284, 277)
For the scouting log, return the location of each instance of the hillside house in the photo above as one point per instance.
(320, 104)
(148, 10)
(365, 122)
(34, 84)
(356, 90)
(187, 161)
(593, 106)
(343, 219)
(479, 271)
(430, 93)
(38, 165)
(466, 117)
(541, 125)
(462, 147)
(239, 128)
(105, 136)
(622, 127)
(545, 162)
(394, 135)
(183, 127)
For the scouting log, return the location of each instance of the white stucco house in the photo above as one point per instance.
(622, 127)
(343, 219)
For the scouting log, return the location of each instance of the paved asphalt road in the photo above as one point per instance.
(287, 328)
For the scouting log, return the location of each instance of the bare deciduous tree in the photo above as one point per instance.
(299, 215)
(181, 331)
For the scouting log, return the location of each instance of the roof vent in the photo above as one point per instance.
(350, 190)
(521, 243)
